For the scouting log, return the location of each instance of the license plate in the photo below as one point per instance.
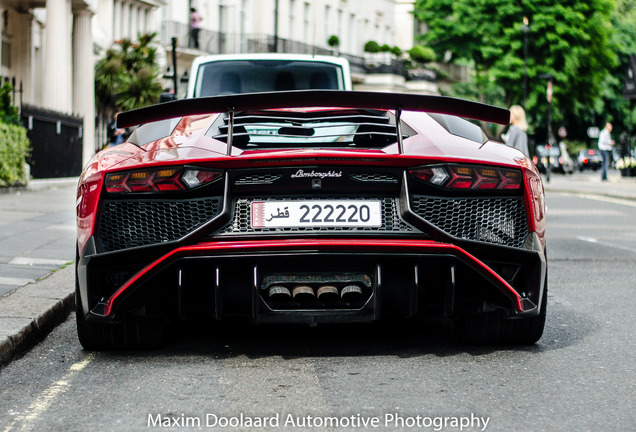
(316, 213)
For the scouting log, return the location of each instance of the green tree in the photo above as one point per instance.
(127, 77)
(569, 39)
(621, 112)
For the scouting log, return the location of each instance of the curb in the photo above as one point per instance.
(30, 313)
(592, 193)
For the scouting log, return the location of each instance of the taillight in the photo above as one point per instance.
(469, 177)
(164, 179)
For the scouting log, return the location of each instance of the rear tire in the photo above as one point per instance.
(493, 328)
(132, 333)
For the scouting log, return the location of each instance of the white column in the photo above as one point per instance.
(57, 64)
(84, 79)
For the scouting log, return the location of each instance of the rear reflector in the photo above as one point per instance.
(454, 176)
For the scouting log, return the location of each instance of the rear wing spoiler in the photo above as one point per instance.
(315, 98)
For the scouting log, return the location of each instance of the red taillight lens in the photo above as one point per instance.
(159, 179)
(469, 177)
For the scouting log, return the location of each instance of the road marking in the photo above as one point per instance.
(37, 261)
(621, 201)
(587, 239)
(611, 245)
(15, 281)
(62, 227)
(26, 421)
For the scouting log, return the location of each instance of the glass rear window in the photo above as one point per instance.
(250, 76)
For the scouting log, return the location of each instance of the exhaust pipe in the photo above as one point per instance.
(351, 293)
(328, 293)
(303, 293)
(279, 293)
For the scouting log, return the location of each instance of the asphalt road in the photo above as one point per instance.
(400, 376)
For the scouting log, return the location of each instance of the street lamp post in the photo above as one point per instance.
(550, 138)
(275, 49)
(526, 29)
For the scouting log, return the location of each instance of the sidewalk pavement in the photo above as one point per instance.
(589, 183)
(44, 297)
(37, 248)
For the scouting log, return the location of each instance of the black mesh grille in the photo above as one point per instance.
(240, 224)
(125, 224)
(257, 179)
(375, 178)
(493, 220)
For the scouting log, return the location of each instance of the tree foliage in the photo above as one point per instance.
(127, 76)
(613, 107)
(571, 40)
(8, 112)
(14, 149)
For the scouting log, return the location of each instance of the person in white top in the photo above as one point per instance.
(605, 145)
(517, 136)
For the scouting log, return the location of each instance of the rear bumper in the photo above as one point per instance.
(232, 278)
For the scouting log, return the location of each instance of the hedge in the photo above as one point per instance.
(14, 149)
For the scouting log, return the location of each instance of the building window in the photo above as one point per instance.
(307, 26)
(292, 6)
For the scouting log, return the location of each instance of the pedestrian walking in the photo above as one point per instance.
(517, 137)
(605, 145)
(195, 27)
(116, 135)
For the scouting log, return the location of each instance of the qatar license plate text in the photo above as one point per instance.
(322, 213)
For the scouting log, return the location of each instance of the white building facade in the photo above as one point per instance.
(49, 49)
(50, 46)
(308, 22)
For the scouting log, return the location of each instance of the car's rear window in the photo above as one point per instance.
(249, 76)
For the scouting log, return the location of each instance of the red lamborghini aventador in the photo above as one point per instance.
(310, 207)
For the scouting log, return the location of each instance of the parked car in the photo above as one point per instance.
(589, 159)
(214, 75)
(560, 160)
(310, 207)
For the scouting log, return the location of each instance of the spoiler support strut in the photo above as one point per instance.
(230, 130)
(398, 128)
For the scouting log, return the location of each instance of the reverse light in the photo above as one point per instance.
(159, 179)
(196, 177)
(469, 177)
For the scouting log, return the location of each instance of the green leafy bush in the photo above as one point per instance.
(14, 149)
(8, 112)
(422, 54)
(396, 51)
(372, 47)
